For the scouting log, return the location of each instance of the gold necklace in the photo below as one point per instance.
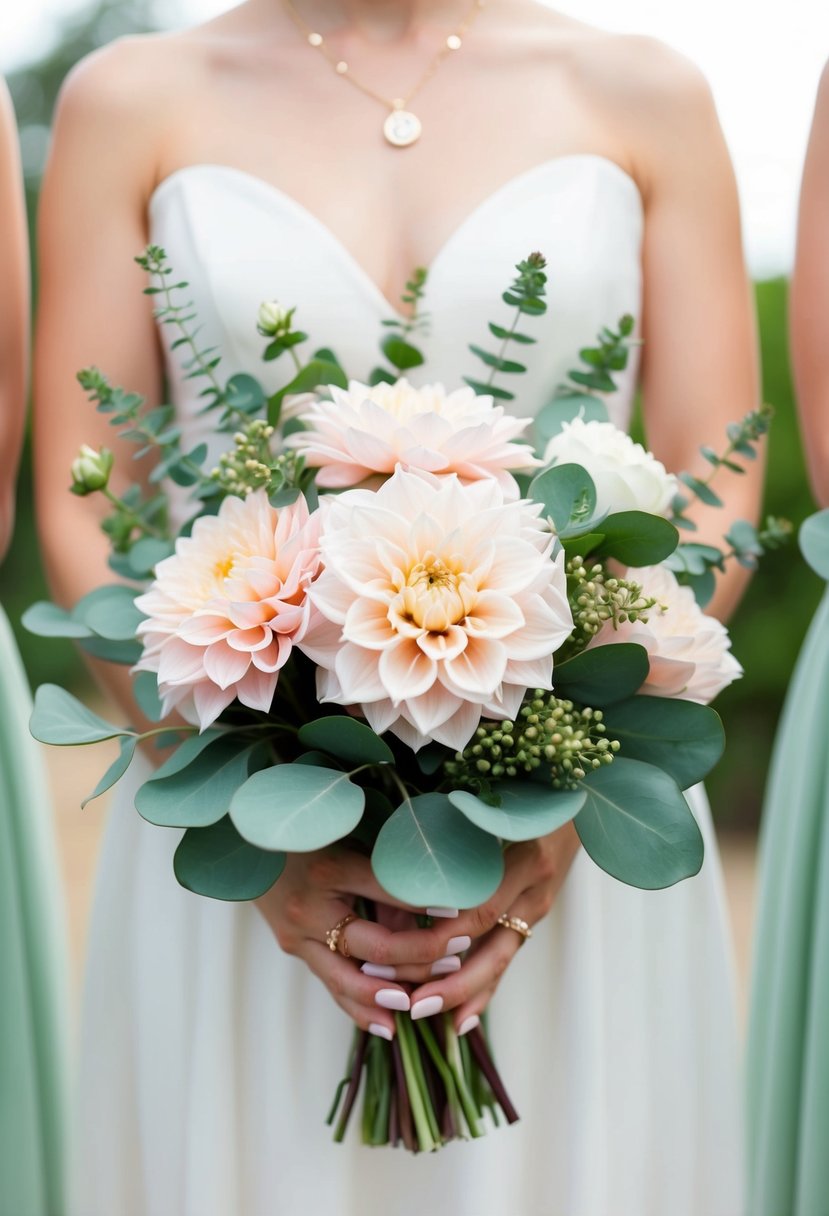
(401, 127)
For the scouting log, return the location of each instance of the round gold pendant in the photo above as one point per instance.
(402, 128)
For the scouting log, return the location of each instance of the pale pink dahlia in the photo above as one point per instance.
(366, 431)
(228, 605)
(689, 651)
(440, 604)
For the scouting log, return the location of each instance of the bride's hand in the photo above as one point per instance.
(535, 871)
(318, 890)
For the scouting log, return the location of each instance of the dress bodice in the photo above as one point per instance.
(237, 240)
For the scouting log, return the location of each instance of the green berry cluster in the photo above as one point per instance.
(250, 465)
(597, 597)
(549, 732)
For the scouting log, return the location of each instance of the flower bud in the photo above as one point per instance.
(273, 320)
(91, 470)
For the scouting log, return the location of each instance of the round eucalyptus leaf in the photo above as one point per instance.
(684, 739)
(430, 856)
(813, 539)
(526, 812)
(297, 807)
(145, 691)
(347, 739)
(145, 555)
(216, 861)
(637, 826)
(49, 621)
(567, 493)
(116, 770)
(127, 652)
(61, 719)
(636, 538)
(200, 793)
(602, 675)
(110, 612)
(564, 408)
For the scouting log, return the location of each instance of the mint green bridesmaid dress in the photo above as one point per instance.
(788, 1049)
(33, 992)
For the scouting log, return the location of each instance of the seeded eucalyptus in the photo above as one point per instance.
(596, 598)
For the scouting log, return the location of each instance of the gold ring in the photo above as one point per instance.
(335, 938)
(516, 923)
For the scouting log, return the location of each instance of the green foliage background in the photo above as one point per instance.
(772, 620)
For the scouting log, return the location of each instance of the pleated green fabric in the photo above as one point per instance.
(34, 1008)
(788, 1048)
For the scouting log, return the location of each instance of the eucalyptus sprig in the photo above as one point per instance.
(695, 565)
(397, 345)
(607, 358)
(525, 295)
(743, 437)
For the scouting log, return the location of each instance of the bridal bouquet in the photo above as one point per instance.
(393, 620)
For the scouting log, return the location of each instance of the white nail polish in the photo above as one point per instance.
(449, 913)
(382, 1032)
(457, 945)
(427, 1007)
(392, 998)
(445, 966)
(469, 1024)
(378, 972)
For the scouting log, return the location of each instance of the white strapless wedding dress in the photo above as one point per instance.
(209, 1058)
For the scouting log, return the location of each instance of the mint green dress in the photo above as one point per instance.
(788, 1049)
(33, 994)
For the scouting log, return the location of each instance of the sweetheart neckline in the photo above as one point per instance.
(263, 186)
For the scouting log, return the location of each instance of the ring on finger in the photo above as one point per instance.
(517, 924)
(335, 938)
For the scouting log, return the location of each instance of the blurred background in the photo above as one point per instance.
(764, 89)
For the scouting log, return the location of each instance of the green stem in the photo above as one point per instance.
(446, 1073)
(418, 1098)
(135, 522)
(504, 341)
(453, 1057)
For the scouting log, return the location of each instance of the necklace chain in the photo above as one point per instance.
(398, 106)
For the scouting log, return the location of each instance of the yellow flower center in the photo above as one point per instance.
(435, 594)
(223, 568)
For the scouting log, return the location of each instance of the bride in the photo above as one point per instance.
(265, 152)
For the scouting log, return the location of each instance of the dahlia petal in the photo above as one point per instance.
(480, 668)
(431, 709)
(544, 629)
(357, 671)
(275, 656)
(249, 639)
(322, 642)
(223, 665)
(256, 690)
(456, 731)
(407, 733)
(368, 625)
(209, 701)
(446, 645)
(204, 629)
(405, 670)
(495, 616)
(179, 662)
(380, 715)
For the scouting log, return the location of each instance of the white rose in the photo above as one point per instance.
(689, 652)
(627, 477)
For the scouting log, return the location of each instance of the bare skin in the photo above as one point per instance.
(809, 307)
(14, 314)
(246, 91)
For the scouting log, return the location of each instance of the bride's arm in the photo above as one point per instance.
(810, 300)
(14, 314)
(91, 310)
(700, 364)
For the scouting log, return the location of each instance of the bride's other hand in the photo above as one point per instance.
(535, 872)
(315, 893)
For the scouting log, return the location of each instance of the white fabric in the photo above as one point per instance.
(209, 1058)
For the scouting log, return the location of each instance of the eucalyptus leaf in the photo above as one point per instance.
(400, 354)
(637, 826)
(126, 653)
(315, 374)
(684, 739)
(636, 538)
(49, 621)
(215, 861)
(200, 793)
(813, 539)
(429, 855)
(126, 750)
(297, 807)
(145, 691)
(110, 613)
(189, 748)
(347, 739)
(63, 720)
(602, 675)
(527, 811)
(565, 406)
(567, 493)
(145, 555)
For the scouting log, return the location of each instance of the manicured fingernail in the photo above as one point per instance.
(382, 1032)
(449, 913)
(378, 972)
(469, 1024)
(457, 945)
(427, 1007)
(392, 998)
(446, 965)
